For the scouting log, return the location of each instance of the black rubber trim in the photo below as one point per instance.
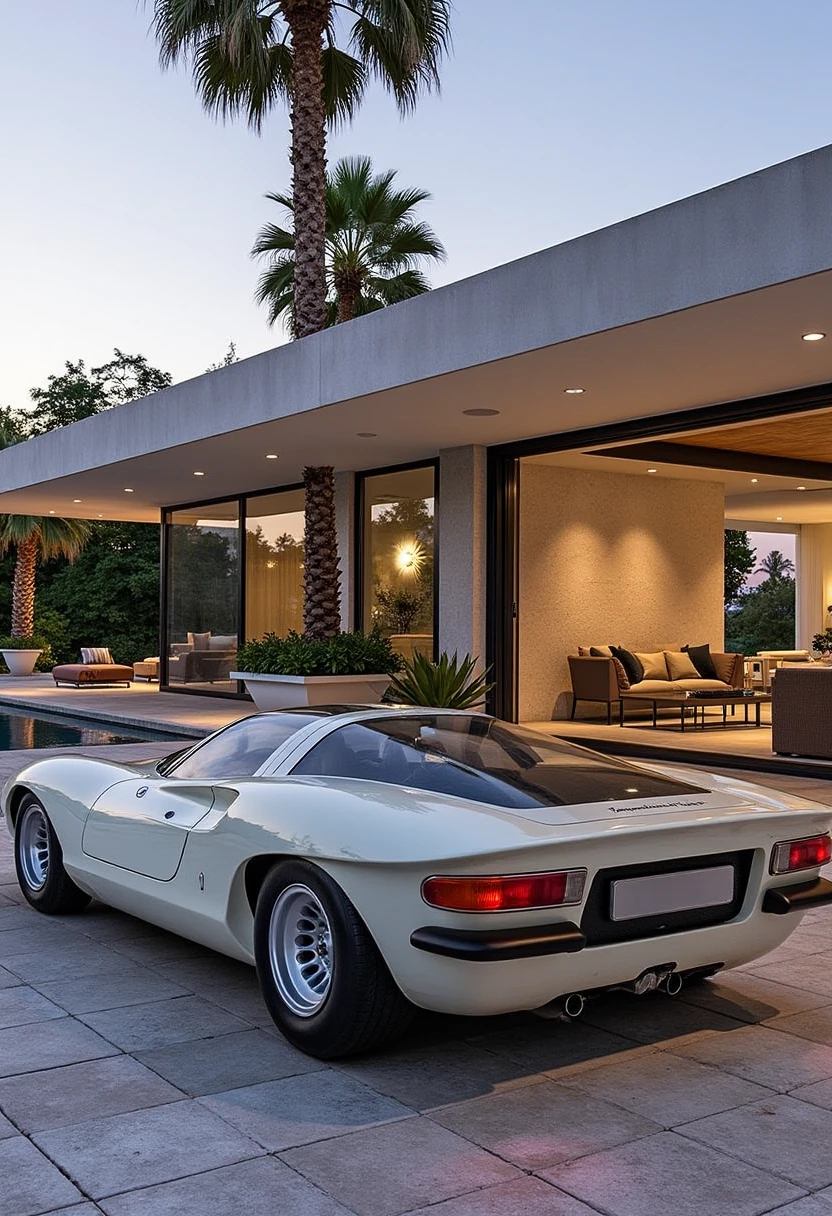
(497, 945)
(815, 894)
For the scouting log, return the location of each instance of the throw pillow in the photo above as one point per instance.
(95, 654)
(654, 665)
(598, 651)
(700, 656)
(199, 641)
(603, 652)
(679, 666)
(630, 662)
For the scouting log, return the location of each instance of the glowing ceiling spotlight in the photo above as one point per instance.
(409, 557)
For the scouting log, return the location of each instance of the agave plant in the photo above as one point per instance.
(449, 684)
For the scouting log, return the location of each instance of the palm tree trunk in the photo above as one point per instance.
(321, 574)
(23, 588)
(307, 20)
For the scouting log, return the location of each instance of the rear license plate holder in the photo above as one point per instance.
(677, 891)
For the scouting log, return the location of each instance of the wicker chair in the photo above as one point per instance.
(801, 711)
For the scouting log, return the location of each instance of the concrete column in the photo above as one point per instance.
(461, 530)
(814, 581)
(345, 529)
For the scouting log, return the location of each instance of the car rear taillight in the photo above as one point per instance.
(504, 892)
(801, 854)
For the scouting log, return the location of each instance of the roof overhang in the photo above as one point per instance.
(700, 302)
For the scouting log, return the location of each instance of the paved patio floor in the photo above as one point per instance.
(140, 1075)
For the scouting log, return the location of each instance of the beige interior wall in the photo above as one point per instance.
(607, 558)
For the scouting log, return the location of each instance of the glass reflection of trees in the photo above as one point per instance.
(203, 586)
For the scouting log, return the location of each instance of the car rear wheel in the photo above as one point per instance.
(39, 862)
(321, 974)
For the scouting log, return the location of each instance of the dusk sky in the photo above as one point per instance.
(128, 213)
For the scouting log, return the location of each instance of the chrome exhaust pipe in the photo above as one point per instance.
(673, 984)
(573, 1005)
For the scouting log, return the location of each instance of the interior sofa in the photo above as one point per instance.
(600, 675)
(801, 711)
(204, 658)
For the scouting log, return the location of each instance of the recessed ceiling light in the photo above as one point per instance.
(100, 516)
(198, 473)
(652, 470)
(574, 391)
(366, 434)
(813, 337)
(76, 500)
(481, 413)
(801, 487)
(51, 512)
(271, 456)
(778, 519)
(128, 490)
(754, 480)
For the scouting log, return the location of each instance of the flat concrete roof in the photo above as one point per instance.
(695, 303)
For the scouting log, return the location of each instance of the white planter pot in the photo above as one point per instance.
(20, 662)
(290, 692)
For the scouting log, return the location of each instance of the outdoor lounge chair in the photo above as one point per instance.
(96, 668)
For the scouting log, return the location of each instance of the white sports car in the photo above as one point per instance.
(371, 859)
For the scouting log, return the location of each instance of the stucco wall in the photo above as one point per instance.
(606, 558)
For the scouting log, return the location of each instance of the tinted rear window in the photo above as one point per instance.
(481, 759)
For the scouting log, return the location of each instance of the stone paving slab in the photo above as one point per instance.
(22, 1005)
(93, 993)
(527, 1197)
(125, 1152)
(765, 1056)
(50, 1045)
(228, 1061)
(160, 1023)
(31, 1183)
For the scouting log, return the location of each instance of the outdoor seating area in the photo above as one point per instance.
(96, 667)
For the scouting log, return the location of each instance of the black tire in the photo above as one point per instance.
(321, 974)
(39, 862)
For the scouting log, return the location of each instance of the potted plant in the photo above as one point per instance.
(297, 670)
(450, 683)
(21, 654)
(822, 645)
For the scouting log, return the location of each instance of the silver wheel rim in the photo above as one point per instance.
(300, 950)
(34, 847)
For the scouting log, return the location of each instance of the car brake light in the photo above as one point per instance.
(504, 893)
(805, 854)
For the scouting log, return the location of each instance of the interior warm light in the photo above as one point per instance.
(801, 487)
(409, 557)
(271, 456)
(198, 473)
(574, 391)
(754, 480)
(51, 512)
(813, 337)
(76, 500)
(652, 470)
(778, 519)
(127, 490)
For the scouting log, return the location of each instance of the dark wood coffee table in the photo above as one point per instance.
(678, 700)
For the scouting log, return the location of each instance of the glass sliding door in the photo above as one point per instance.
(203, 596)
(398, 543)
(274, 563)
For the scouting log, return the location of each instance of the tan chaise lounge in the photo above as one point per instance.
(601, 678)
(96, 667)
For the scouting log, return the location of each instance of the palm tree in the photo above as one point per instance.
(374, 246)
(248, 56)
(36, 538)
(775, 565)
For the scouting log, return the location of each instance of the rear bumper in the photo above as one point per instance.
(499, 945)
(798, 898)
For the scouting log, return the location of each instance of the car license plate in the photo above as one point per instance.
(656, 894)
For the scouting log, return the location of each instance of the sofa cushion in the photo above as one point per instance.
(630, 662)
(96, 654)
(655, 668)
(199, 641)
(658, 686)
(223, 641)
(700, 656)
(703, 685)
(724, 667)
(679, 666)
(597, 651)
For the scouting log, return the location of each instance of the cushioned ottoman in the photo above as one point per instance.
(81, 674)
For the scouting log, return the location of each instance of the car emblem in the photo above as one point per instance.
(142, 790)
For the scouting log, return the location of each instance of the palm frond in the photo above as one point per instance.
(403, 43)
(345, 82)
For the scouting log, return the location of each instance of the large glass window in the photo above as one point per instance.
(203, 593)
(274, 563)
(398, 540)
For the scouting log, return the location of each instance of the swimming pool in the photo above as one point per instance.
(21, 729)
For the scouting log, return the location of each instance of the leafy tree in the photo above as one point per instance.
(247, 56)
(765, 620)
(78, 393)
(740, 556)
(228, 358)
(374, 246)
(776, 565)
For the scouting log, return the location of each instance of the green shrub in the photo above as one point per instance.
(347, 654)
(45, 661)
(448, 684)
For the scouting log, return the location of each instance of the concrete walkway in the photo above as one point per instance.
(140, 1075)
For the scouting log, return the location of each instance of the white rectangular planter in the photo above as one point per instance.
(291, 692)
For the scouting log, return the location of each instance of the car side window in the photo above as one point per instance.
(239, 750)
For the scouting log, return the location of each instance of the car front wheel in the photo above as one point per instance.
(321, 974)
(39, 862)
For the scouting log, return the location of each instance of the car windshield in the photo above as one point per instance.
(239, 750)
(481, 759)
